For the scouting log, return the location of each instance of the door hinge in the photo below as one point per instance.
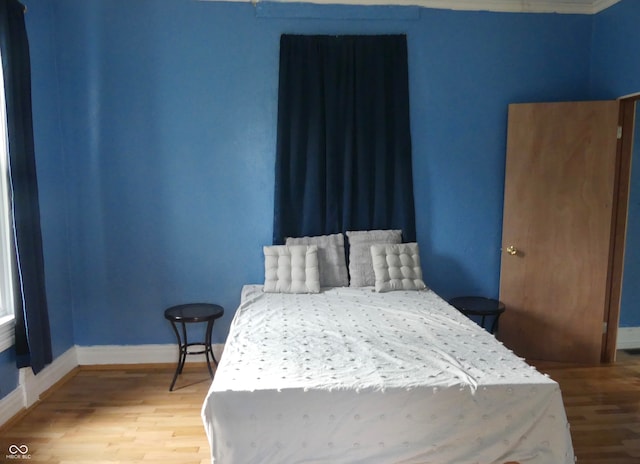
(619, 136)
(605, 326)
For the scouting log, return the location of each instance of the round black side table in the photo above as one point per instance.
(479, 306)
(193, 313)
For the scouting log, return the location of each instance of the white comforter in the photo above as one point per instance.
(354, 376)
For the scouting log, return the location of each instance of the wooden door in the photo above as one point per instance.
(557, 229)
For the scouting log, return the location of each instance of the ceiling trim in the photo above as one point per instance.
(599, 5)
(507, 6)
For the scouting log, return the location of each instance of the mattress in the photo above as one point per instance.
(354, 376)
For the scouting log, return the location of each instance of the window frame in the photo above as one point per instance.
(7, 332)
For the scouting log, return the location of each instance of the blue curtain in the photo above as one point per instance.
(343, 154)
(33, 338)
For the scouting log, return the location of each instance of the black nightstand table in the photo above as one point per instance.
(193, 313)
(479, 306)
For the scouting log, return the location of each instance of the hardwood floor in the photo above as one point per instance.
(603, 408)
(126, 414)
(116, 416)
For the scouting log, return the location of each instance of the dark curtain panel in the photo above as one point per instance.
(343, 155)
(33, 338)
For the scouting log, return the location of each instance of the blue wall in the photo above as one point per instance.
(52, 178)
(155, 129)
(616, 72)
(168, 124)
(8, 372)
(630, 305)
(615, 68)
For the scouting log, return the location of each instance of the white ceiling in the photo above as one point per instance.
(512, 6)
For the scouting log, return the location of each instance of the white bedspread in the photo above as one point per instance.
(354, 376)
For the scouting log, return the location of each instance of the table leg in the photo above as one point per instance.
(208, 349)
(184, 348)
(181, 351)
(494, 326)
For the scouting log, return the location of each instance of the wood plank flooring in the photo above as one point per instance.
(127, 415)
(116, 416)
(603, 408)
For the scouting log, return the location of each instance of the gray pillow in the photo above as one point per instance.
(331, 258)
(360, 265)
(291, 269)
(397, 267)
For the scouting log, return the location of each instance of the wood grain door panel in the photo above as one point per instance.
(559, 190)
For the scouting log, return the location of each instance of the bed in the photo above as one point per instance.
(351, 375)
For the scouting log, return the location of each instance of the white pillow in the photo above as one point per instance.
(397, 267)
(360, 267)
(331, 258)
(291, 269)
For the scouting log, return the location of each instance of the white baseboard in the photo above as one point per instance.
(628, 338)
(31, 387)
(11, 404)
(35, 385)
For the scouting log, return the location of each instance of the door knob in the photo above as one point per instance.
(512, 250)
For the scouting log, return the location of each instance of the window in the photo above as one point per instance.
(6, 267)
